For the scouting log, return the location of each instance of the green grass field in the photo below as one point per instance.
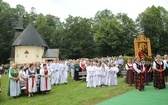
(73, 93)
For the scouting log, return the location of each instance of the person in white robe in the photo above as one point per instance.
(31, 74)
(72, 68)
(91, 80)
(115, 71)
(64, 73)
(98, 75)
(55, 73)
(45, 85)
(14, 84)
(110, 76)
(104, 73)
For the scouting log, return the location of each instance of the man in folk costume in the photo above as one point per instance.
(115, 70)
(166, 70)
(31, 86)
(159, 67)
(139, 70)
(130, 73)
(45, 84)
(14, 84)
(91, 80)
(55, 72)
(64, 73)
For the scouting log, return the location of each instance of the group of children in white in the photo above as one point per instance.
(100, 74)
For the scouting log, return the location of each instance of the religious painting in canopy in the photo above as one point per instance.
(142, 46)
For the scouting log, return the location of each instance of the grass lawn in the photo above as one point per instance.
(74, 93)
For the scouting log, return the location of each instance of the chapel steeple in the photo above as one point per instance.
(19, 28)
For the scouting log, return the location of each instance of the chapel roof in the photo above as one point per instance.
(50, 53)
(30, 37)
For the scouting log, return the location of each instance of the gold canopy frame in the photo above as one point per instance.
(142, 46)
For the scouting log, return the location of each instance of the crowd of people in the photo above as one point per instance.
(37, 77)
(140, 73)
(100, 72)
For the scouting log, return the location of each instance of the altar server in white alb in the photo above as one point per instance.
(98, 75)
(110, 76)
(55, 72)
(31, 82)
(104, 73)
(64, 73)
(115, 71)
(14, 84)
(45, 85)
(91, 79)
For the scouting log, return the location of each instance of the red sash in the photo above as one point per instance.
(46, 82)
(32, 82)
(46, 79)
(160, 72)
(146, 70)
(141, 76)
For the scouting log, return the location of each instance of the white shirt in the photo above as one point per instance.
(136, 69)
(126, 66)
(165, 63)
(154, 65)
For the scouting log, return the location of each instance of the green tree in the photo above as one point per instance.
(77, 38)
(128, 30)
(154, 22)
(104, 14)
(8, 18)
(107, 37)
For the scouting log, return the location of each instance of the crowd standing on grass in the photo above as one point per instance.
(38, 77)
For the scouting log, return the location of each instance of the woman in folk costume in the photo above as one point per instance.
(91, 80)
(45, 84)
(148, 72)
(139, 70)
(14, 84)
(159, 67)
(98, 75)
(115, 70)
(104, 73)
(31, 87)
(130, 73)
(166, 70)
(22, 76)
(109, 77)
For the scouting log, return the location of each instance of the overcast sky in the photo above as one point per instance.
(87, 8)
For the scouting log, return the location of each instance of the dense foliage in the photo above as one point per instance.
(106, 34)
